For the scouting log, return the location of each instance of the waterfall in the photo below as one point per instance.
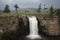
(33, 23)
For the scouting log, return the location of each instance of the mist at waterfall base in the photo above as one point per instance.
(33, 23)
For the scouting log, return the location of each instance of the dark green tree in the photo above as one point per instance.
(16, 7)
(45, 7)
(39, 9)
(7, 10)
(57, 12)
(0, 10)
(51, 11)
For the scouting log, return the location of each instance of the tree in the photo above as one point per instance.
(0, 10)
(58, 12)
(45, 7)
(39, 9)
(16, 7)
(7, 10)
(51, 11)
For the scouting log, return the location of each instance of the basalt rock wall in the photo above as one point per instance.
(20, 24)
(50, 25)
(8, 23)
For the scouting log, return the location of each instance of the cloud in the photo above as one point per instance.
(20, 1)
(29, 3)
(8, 1)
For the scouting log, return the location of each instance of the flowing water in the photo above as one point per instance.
(33, 28)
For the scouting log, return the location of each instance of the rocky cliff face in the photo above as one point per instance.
(50, 25)
(46, 25)
(8, 23)
(23, 27)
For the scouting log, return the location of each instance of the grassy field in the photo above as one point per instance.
(25, 13)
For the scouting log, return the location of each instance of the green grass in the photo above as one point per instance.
(24, 13)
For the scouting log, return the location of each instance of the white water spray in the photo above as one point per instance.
(33, 28)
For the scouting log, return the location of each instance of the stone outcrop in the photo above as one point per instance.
(50, 25)
(23, 25)
(47, 25)
(8, 23)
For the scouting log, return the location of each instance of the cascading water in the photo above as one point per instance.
(33, 28)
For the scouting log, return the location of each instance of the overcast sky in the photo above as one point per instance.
(29, 3)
